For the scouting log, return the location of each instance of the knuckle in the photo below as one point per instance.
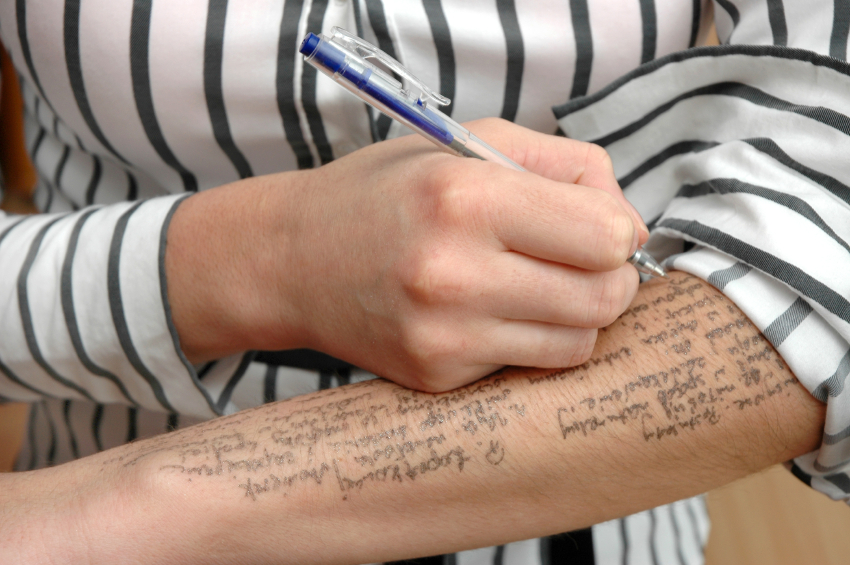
(609, 297)
(614, 235)
(456, 200)
(598, 157)
(583, 348)
(434, 384)
(428, 347)
(429, 278)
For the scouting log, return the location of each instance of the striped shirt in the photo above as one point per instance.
(131, 104)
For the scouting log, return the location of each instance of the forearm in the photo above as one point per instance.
(682, 395)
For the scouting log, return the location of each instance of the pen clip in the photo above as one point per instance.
(368, 51)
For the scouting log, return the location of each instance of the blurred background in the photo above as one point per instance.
(770, 518)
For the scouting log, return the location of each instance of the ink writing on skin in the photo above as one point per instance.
(686, 395)
(688, 360)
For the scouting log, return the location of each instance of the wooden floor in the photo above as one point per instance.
(766, 519)
(773, 518)
(12, 420)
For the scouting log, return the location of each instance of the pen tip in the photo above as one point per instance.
(644, 263)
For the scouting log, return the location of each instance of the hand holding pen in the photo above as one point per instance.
(345, 58)
(434, 271)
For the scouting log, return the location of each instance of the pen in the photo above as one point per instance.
(346, 59)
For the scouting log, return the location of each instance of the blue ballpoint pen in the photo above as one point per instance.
(345, 58)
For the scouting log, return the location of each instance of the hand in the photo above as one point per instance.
(434, 270)
(411, 263)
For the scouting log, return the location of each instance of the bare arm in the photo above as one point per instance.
(682, 394)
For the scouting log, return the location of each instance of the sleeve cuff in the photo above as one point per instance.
(86, 312)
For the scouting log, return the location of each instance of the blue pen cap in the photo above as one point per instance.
(347, 65)
(322, 53)
(308, 46)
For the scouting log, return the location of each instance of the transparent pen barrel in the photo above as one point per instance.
(467, 144)
(383, 92)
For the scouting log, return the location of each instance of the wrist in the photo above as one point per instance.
(229, 268)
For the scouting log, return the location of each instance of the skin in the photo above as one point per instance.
(411, 263)
(467, 273)
(680, 395)
(548, 451)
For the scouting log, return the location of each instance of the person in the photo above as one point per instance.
(107, 268)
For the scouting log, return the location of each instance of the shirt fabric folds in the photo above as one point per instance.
(130, 105)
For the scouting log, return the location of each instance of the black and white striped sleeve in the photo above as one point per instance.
(85, 312)
(740, 149)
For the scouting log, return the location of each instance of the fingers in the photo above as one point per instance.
(598, 172)
(570, 224)
(548, 307)
(522, 288)
(446, 366)
(535, 344)
(558, 158)
(516, 310)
